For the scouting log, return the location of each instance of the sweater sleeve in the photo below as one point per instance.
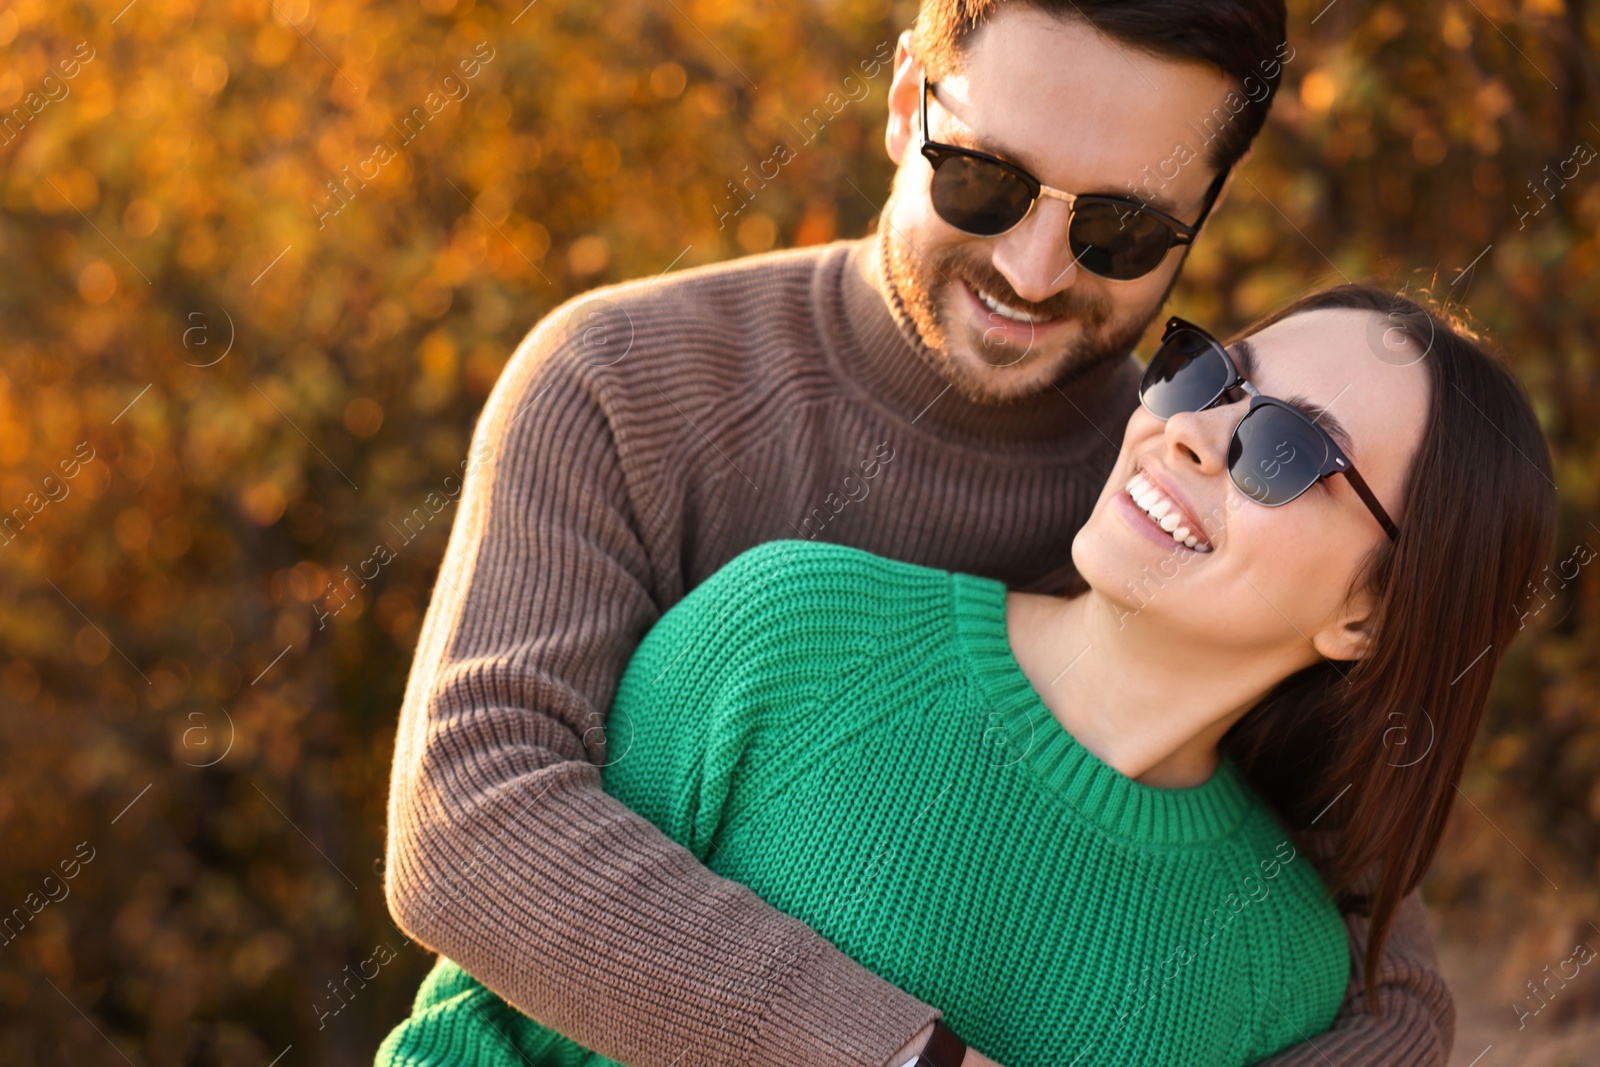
(1418, 1021)
(503, 851)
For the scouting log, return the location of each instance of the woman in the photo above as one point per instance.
(1077, 824)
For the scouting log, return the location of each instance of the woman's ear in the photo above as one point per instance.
(1348, 634)
(903, 102)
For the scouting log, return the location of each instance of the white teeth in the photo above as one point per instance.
(1007, 311)
(1165, 514)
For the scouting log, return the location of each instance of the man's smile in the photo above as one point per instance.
(1005, 326)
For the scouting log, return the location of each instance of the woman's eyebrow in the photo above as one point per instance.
(1244, 358)
(1243, 354)
(1321, 416)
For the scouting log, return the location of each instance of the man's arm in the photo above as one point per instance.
(1418, 1025)
(504, 853)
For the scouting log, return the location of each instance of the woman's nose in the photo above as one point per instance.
(1199, 439)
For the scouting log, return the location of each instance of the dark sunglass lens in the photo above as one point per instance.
(1185, 374)
(978, 197)
(1275, 455)
(1117, 241)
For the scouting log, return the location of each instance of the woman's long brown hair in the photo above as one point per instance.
(1477, 520)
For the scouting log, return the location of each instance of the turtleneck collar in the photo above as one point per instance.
(873, 345)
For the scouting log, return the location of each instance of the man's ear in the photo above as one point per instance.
(1348, 633)
(903, 102)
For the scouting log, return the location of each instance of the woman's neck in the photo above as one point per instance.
(1152, 704)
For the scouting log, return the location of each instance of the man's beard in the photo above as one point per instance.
(921, 280)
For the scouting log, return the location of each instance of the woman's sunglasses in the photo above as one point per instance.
(1277, 453)
(1110, 236)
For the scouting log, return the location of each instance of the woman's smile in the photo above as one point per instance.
(1161, 512)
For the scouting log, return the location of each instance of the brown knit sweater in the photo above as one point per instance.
(640, 437)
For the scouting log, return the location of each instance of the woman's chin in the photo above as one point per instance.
(1122, 567)
(1105, 565)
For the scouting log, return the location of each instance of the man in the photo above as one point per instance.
(947, 392)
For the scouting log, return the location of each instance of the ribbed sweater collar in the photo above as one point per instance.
(1099, 793)
(873, 346)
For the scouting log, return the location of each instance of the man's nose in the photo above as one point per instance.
(1036, 257)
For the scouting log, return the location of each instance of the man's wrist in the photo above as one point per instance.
(939, 1046)
(918, 1042)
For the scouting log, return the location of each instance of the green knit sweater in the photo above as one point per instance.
(851, 737)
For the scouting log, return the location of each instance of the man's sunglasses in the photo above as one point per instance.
(1277, 453)
(1111, 236)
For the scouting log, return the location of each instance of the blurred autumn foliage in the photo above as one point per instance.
(261, 261)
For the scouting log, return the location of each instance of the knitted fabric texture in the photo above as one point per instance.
(640, 437)
(851, 737)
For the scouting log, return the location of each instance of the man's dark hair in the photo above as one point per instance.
(1245, 39)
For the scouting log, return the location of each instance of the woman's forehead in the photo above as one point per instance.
(1329, 345)
(1326, 358)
